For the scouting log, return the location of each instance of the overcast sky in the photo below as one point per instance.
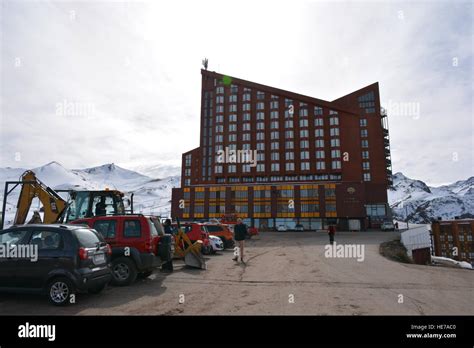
(88, 83)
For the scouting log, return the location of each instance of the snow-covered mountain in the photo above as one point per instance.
(418, 202)
(152, 195)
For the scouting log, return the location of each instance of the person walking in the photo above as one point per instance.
(331, 233)
(167, 227)
(240, 231)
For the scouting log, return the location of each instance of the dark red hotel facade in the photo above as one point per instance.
(317, 162)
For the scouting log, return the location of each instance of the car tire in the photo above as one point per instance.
(124, 271)
(60, 290)
(167, 266)
(146, 274)
(97, 289)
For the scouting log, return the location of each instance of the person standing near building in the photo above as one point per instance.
(331, 233)
(240, 231)
(167, 227)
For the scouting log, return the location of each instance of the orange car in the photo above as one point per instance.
(223, 232)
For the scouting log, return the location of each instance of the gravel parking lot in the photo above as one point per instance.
(285, 273)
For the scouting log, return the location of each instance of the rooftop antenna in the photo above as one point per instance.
(205, 63)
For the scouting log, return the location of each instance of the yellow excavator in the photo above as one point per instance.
(79, 204)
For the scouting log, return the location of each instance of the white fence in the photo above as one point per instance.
(416, 238)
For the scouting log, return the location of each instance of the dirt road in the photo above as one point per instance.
(286, 273)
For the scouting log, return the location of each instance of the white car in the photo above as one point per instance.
(282, 228)
(216, 243)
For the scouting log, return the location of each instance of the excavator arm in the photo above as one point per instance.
(32, 187)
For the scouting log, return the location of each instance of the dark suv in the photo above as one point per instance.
(138, 242)
(68, 259)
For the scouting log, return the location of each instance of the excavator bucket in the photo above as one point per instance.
(193, 258)
(189, 250)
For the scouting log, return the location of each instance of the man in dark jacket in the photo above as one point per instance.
(331, 232)
(240, 231)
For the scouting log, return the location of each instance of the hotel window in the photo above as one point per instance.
(274, 125)
(219, 147)
(260, 116)
(365, 143)
(234, 89)
(335, 153)
(288, 102)
(289, 156)
(260, 125)
(275, 145)
(219, 139)
(219, 108)
(319, 154)
(363, 133)
(261, 146)
(289, 124)
(220, 90)
(274, 135)
(219, 99)
(232, 118)
(289, 166)
(233, 146)
(288, 114)
(233, 98)
(320, 165)
(233, 137)
(304, 123)
(246, 116)
(365, 154)
(319, 132)
(335, 142)
(319, 143)
(289, 145)
(318, 122)
(219, 118)
(232, 168)
(260, 106)
(246, 137)
(275, 167)
(318, 111)
(274, 114)
(304, 154)
(260, 167)
(305, 166)
(233, 108)
(218, 169)
(303, 112)
(260, 95)
(288, 134)
(366, 176)
(304, 133)
(336, 164)
(246, 126)
(187, 172)
(246, 107)
(334, 132)
(260, 136)
(365, 165)
(246, 168)
(363, 122)
(274, 104)
(260, 157)
(246, 97)
(304, 144)
(246, 146)
(232, 127)
(332, 112)
(219, 129)
(334, 121)
(275, 156)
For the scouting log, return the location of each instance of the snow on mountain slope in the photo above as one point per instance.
(151, 196)
(418, 202)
